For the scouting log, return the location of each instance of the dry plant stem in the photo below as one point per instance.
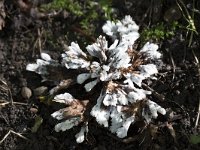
(39, 41)
(10, 94)
(193, 30)
(150, 13)
(145, 16)
(198, 66)
(11, 99)
(16, 103)
(11, 131)
(156, 94)
(5, 89)
(161, 97)
(198, 114)
(173, 64)
(190, 19)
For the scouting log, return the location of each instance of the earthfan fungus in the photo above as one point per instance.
(121, 70)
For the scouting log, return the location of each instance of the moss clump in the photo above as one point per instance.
(159, 32)
(70, 5)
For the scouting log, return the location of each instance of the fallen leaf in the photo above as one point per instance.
(37, 124)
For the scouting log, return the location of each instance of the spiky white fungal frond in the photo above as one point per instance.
(125, 30)
(67, 124)
(152, 111)
(74, 57)
(65, 98)
(80, 137)
(101, 115)
(40, 65)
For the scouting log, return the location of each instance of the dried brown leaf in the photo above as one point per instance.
(171, 131)
(76, 108)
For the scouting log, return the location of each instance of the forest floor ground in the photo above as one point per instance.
(27, 32)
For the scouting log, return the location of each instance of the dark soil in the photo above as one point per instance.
(25, 35)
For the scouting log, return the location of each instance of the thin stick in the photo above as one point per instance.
(19, 103)
(156, 94)
(39, 41)
(198, 67)
(19, 134)
(16, 103)
(11, 131)
(10, 95)
(198, 114)
(7, 134)
(8, 89)
(173, 64)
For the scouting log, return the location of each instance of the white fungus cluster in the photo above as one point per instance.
(72, 121)
(120, 69)
(40, 66)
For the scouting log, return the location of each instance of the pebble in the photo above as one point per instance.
(26, 92)
(172, 14)
(177, 92)
(33, 110)
(40, 90)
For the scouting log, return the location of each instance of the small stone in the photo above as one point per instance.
(172, 14)
(33, 110)
(26, 92)
(168, 67)
(177, 92)
(40, 90)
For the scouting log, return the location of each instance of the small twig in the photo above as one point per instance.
(145, 15)
(154, 93)
(177, 104)
(162, 97)
(19, 103)
(16, 103)
(38, 43)
(10, 95)
(11, 131)
(4, 103)
(4, 118)
(198, 114)
(189, 18)
(198, 67)
(3, 88)
(19, 134)
(8, 89)
(173, 64)
(39, 40)
(7, 134)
